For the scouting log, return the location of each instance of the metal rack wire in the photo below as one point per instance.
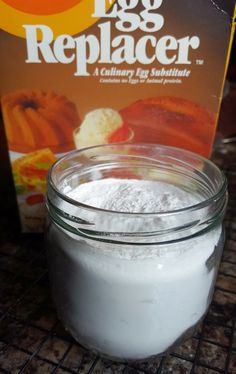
(32, 340)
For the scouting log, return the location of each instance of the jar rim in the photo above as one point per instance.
(194, 173)
(204, 203)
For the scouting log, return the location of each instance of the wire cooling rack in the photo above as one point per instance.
(32, 340)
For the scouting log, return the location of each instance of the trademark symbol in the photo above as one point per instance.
(199, 62)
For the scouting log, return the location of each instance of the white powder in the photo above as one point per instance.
(131, 307)
(133, 196)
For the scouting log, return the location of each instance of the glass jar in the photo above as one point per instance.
(133, 285)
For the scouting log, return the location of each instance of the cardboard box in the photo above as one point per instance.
(80, 73)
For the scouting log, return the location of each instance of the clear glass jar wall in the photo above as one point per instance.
(129, 291)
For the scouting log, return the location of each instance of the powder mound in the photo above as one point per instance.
(132, 196)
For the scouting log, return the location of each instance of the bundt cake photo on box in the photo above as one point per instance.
(38, 119)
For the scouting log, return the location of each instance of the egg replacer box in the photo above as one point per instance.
(78, 73)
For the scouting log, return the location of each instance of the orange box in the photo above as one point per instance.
(77, 73)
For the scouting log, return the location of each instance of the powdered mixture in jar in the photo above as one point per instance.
(132, 196)
(132, 301)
